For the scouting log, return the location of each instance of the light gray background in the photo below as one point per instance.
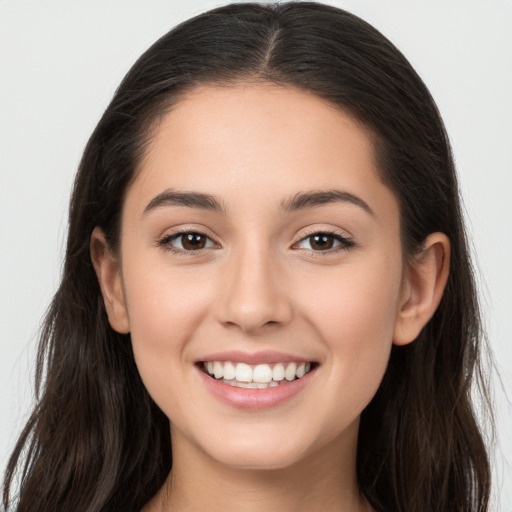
(59, 65)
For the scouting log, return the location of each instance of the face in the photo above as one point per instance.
(259, 243)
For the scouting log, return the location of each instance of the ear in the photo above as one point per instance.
(108, 271)
(422, 288)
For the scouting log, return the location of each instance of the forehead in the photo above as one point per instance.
(257, 141)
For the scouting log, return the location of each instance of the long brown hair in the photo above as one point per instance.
(95, 440)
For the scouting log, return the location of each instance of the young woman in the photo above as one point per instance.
(267, 301)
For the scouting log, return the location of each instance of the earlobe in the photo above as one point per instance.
(108, 272)
(422, 288)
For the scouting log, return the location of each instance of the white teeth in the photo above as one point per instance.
(247, 385)
(278, 372)
(262, 373)
(229, 371)
(259, 376)
(243, 373)
(289, 373)
(218, 369)
(250, 385)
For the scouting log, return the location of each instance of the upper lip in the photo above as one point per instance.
(266, 356)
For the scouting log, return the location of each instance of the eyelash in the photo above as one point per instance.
(166, 242)
(344, 242)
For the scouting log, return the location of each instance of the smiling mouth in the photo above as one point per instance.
(259, 376)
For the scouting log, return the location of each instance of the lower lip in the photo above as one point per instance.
(243, 398)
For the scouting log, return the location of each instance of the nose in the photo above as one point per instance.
(253, 293)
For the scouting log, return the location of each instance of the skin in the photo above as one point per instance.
(259, 284)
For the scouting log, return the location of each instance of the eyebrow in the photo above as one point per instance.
(304, 200)
(299, 201)
(190, 199)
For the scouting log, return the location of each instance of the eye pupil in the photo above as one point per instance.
(322, 241)
(192, 241)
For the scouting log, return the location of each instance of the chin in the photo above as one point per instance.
(262, 460)
(261, 452)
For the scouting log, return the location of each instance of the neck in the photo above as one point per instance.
(325, 480)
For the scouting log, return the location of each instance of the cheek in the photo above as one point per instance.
(354, 314)
(163, 301)
(358, 299)
(164, 309)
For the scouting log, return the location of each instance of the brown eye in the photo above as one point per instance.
(325, 242)
(321, 242)
(193, 241)
(186, 242)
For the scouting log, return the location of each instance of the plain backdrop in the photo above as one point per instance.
(60, 63)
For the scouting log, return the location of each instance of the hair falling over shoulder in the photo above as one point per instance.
(96, 441)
